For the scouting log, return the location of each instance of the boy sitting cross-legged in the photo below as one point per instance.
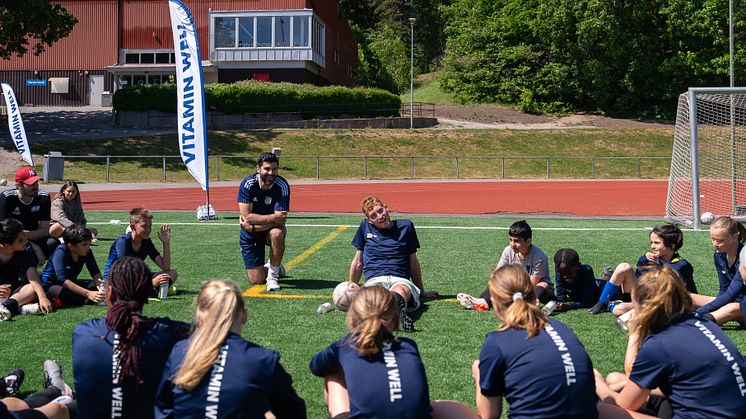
(60, 276)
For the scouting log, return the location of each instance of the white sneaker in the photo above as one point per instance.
(30, 309)
(272, 284)
(4, 313)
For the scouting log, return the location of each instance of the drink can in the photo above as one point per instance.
(163, 291)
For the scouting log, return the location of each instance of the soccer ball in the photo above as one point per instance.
(343, 294)
(707, 217)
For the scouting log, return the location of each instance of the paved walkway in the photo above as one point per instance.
(87, 122)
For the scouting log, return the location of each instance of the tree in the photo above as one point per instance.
(38, 21)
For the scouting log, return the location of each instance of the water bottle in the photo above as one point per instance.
(623, 320)
(163, 290)
(325, 308)
(101, 286)
(549, 307)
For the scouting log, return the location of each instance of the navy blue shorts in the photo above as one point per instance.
(252, 249)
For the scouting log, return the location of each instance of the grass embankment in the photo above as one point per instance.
(570, 151)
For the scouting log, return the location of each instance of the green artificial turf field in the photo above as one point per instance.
(456, 254)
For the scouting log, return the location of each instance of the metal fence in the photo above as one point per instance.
(317, 163)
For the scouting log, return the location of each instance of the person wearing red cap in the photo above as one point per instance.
(32, 207)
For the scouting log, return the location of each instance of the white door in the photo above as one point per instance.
(95, 89)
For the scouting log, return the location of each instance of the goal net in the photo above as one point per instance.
(709, 149)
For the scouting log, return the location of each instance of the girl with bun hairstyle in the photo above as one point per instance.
(370, 373)
(217, 373)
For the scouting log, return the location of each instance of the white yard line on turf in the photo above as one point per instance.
(421, 227)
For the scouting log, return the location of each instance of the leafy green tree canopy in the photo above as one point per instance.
(38, 21)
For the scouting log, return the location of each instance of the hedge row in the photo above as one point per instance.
(259, 97)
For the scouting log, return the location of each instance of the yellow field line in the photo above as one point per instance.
(256, 290)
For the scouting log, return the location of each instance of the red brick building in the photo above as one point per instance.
(127, 42)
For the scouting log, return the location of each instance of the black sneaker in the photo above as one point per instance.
(406, 323)
(13, 381)
(598, 308)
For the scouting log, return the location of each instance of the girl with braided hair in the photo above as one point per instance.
(118, 360)
(217, 373)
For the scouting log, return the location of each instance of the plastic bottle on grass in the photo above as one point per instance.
(325, 308)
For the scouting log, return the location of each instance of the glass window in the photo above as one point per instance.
(146, 58)
(154, 79)
(225, 32)
(162, 57)
(282, 31)
(138, 80)
(300, 31)
(245, 32)
(264, 31)
(132, 58)
(125, 80)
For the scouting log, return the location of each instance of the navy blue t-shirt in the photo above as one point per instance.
(31, 214)
(386, 252)
(123, 247)
(99, 395)
(276, 198)
(726, 272)
(584, 292)
(735, 293)
(677, 263)
(390, 384)
(696, 366)
(547, 376)
(245, 382)
(14, 271)
(62, 266)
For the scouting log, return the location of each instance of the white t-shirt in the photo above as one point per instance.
(535, 262)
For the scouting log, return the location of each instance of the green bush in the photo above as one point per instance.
(258, 97)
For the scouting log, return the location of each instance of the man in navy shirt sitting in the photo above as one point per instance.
(386, 252)
(32, 207)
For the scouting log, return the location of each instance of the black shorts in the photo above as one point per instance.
(72, 299)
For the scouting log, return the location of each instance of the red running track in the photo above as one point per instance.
(579, 198)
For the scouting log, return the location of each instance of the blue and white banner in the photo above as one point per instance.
(191, 93)
(15, 124)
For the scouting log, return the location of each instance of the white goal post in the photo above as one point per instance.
(709, 151)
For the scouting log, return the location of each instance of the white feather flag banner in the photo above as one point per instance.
(191, 94)
(15, 124)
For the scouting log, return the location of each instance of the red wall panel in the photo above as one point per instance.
(90, 46)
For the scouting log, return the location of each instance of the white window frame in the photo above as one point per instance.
(305, 13)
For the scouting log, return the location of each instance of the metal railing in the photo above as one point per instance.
(419, 109)
(457, 161)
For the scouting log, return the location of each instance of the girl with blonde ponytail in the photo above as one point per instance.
(536, 363)
(371, 373)
(688, 358)
(728, 236)
(217, 373)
